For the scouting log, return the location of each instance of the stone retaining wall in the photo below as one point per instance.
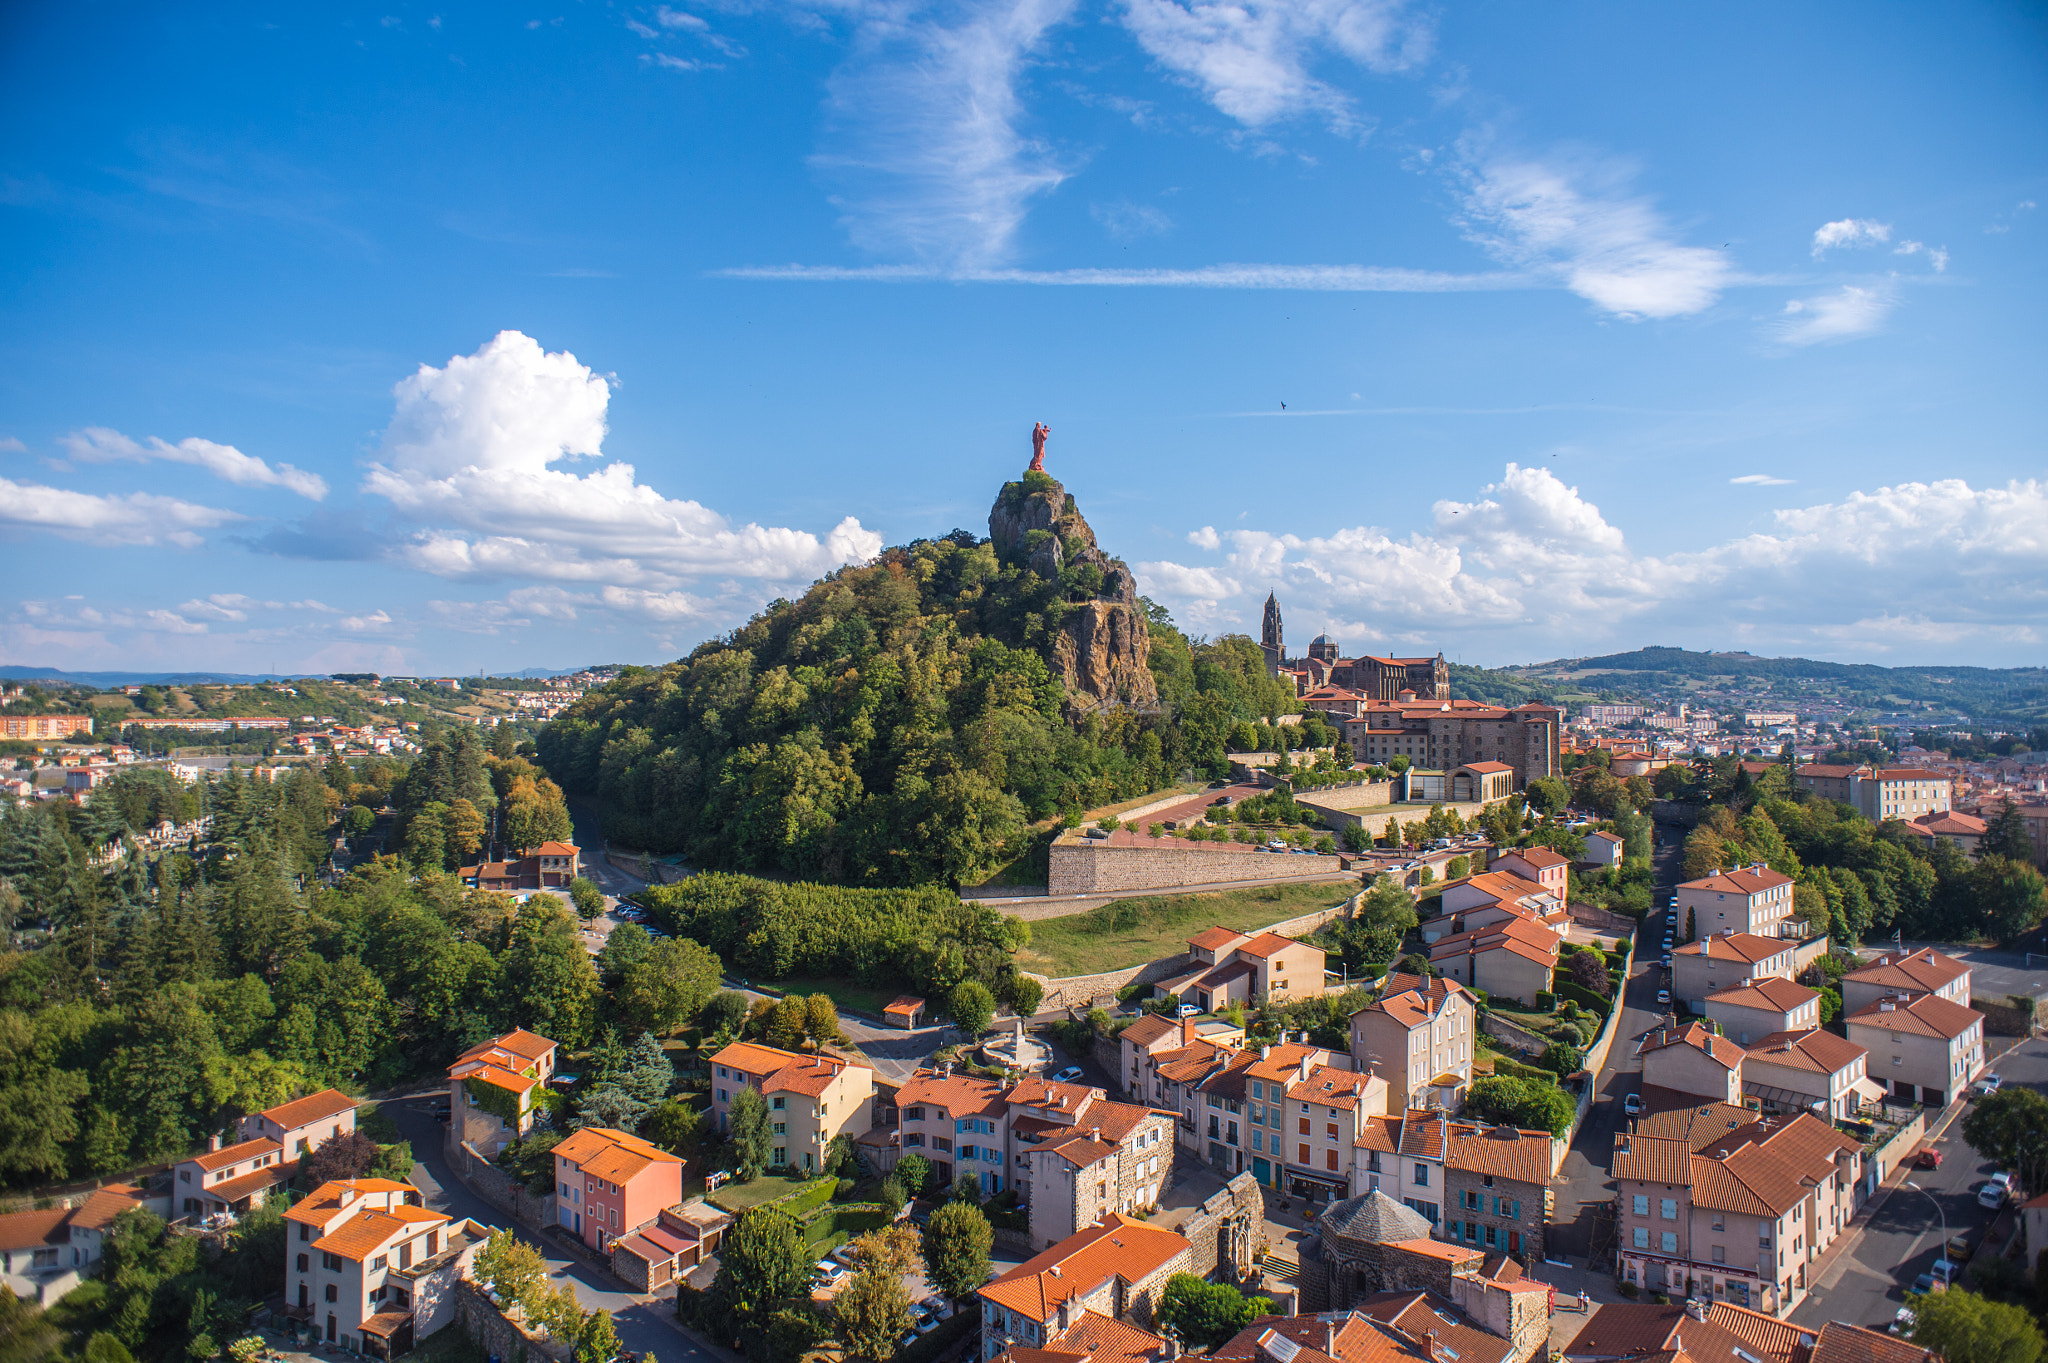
(1083, 866)
(497, 1187)
(499, 1336)
(1084, 991)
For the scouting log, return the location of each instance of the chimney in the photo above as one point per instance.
(946, 1070)
(1265, 1052)
(1095, 1134)
(1695, 1308)
(212, 1143)
(1187, 1031)
(1330, 1338)
(1172, 1346)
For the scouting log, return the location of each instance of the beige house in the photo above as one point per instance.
(1692, 1061)
(1900, 793)
(1726, 960)
(1809, 1071)
(1964, 830)
(1511, 960)
(1913, 973)
(304, 1124)
(1922, 1044)
(960, 1123)
(1750, 1011)
(811, 1098)
(1493, 897)
(1321, 1118)
(370, 1270)
(1231, 967)
(1732, 1209)
(492, 1087)
(232, 1178)
(1418, 1036)
(1752, 899)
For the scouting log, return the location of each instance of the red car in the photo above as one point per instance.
(1928, 1159)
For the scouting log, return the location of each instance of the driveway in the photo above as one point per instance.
(644, 1324)
(1904, 1235)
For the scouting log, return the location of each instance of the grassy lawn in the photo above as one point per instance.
(1145, 799)
(739, 1197)
(843, 993)
(1129, 932)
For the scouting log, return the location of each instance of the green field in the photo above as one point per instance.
(738, 1197)
(843, 993)
(1128, 932)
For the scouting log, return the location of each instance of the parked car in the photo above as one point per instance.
(1902, 1321)
(1633, 1104)
(1667, 960)
(1070, 1075)
(1986, 1086)
(1929, 1158)
(1958, 1249)
(1188, 1010)
(1664, 997)
(1945, 1270)
(1991, 1195)
(1927, 1282)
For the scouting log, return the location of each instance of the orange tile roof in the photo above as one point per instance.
(1747, 880)
(1841, 1342)
(519, 1041)
(494, 1075)
(1746, 947)
(367, 1232)
(906, 1004)
(1267, 944)
(1926, 970)
(1435, 1322)
(1215, 939)
(1415, 1005)
(1540, 857)
(235, 1189)
(324, 1203)
(1078, 1151)
(1379, 1133)
(104, 1204)
(312, 1108)
(606, 1153)
(1697, 1124)
(1150, 1028)
(750, 1057)
(1103, 1340)
(1513, 935)
(1422, 1133)
(1501, 1151)
(35, 1229)
(1925, 1015)
(1774, 994)
(1718, 1049)
(1332, 1087)
(811, 1075)
(553, 849)
(239, 1153)
(961, 1095)
(1812, 1050)
(1038, 1091)
(1648, 1159)
(1115, 1247)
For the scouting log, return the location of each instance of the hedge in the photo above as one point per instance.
(840, 1224)
(1545, 1001)
(1579, 994)
(1515, 1069)
(964, 1321)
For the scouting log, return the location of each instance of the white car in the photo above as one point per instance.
(1070, 1075)
(1633, 1104)
(1667, 960)
(1664, 996)
(1991, 1195)
(1988, 1085)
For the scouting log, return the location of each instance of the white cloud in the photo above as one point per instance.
(133, 518)
(1759, 480)
(926, 140)
(11, 445)
(1305, 278)
(1579, 223)
(99, 445)
(1937, 256)
(469, 456)
(1205, 538)
(670, 62)
(1251, 58)
(1840, 316)
(672, 18)
(1529, 569)
(1849, 232)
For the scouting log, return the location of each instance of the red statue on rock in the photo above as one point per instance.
(1038, 434)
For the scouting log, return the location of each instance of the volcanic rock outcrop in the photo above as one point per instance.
(1102, 642)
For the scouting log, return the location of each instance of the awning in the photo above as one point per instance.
(1782, 1097)
(1871, 1090)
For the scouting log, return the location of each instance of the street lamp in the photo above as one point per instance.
(1944, 1224)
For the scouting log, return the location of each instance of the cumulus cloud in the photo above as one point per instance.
(1251, 59)
(1529, 568)
(1849, 232)
(118, 519)
(1937, 256)
(1847, 313)
(926, 141)
(469, 457)
(1579, 222)
(99, 445)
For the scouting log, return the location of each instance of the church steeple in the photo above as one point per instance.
(1271, 642)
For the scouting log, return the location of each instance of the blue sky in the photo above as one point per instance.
(436, 338)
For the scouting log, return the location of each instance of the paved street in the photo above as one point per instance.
(643, 1324)
(1905, 1234)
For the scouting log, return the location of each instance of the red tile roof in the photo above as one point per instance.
(312, 1108)
(1745, 881)
(239, 1153)
(1812, 1050)
(1925, 970)
(1925, 1015)
(1115, 1247)
(1716, 1048)
(1774, 994)
(1215, 939)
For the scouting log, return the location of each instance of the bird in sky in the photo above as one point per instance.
(1283, 406)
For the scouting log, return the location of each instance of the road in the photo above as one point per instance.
(1905, 1234)
(644, 1324)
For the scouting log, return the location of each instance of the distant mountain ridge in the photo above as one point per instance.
(14, 672)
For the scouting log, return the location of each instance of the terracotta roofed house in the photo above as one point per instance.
(1725, 960)
(1514, 959)
(1769, 1005)
(1809, 1071)
(1539, 864)
(1913, 973)
(958, 1122)
(370, 1271)
(1078, 1157)
(1497, 1188)
(1418, 1035)
(811, 1098)
(1095, 1338)
(303, 1124)
(492, 1086)
(1493, 897)
(609, 1184)
(1920, 1043)
(1117, 1269)
(1692, 1061)
(233, 1178)
(1752, 899)
(1229, 967)
(1324, 1108)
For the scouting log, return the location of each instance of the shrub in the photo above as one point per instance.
(1545, 1000)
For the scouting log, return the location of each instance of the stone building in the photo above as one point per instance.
(1440, 735)
(1497, 1195)
(1080, 1157)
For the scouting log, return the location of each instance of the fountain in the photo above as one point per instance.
(1017, 1051)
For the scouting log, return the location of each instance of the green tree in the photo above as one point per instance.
(1549, 795)
(871, 1313)
(764, 1264)
(1588, 970)
(1963, 1327)
(550, 983)
(426, 838)
(2007, 836)
(464, 828)
(28, 1336)
(588, 899)
(1204, 1315)
(971, 1007)
(1531, 1105)
(511, 1268)
(664, 992)
(2010, 896)
(597, 1341)
(747, 1127)
(2010, 1128)
(786, 1023)
(648, 1075)
(675, 1126)
(914, 1172)
(957, 1241)
(1563, 1058)
(361, 819)
(821, 1020)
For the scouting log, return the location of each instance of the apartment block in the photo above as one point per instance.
(1750, 899)
(1115, 1271)
(1079, 1157)
(1497, 1195)
(1726, 960)
(1731, 1208)
(371, 1271)
(1911, 973)
(1751, 1011)
(1321, 1115)
(1809, 1071)
(811, 1098)
(1418, 1036)
(1920, 1045)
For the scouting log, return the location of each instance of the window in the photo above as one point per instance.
(305, 1231)
(721, 1095)
(330, 1261)
(1304, 1126)
(1303, 1156)
(1669, 1242)
(1720, 1254)
(1720, 1221)
(378, 1262)
(333, 1292)
(914, 1114)
(1642, 1237)
(1667, 1208)
(1422, 1175)
(1329, 1131)
(304, 1263)
(1258, 1089)
(781, 1154)
(782, 1128)
(778, 1103)
(1257, 1138)
(1642, 1205)
(1330, 1159)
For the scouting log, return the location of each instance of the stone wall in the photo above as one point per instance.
(2001, 1019)
(1085, 991)
(1083, 866)
(1226, 1230)
(498, 1335)
(498, 1188)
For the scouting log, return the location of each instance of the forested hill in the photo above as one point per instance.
(897, 724)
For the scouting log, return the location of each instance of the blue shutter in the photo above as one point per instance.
(1515, 1209)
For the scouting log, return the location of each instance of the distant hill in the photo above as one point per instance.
(2012, 694)
(106, 679)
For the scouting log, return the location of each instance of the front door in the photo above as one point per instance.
(1262, 1171)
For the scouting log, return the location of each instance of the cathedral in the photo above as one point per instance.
(1380, 679)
